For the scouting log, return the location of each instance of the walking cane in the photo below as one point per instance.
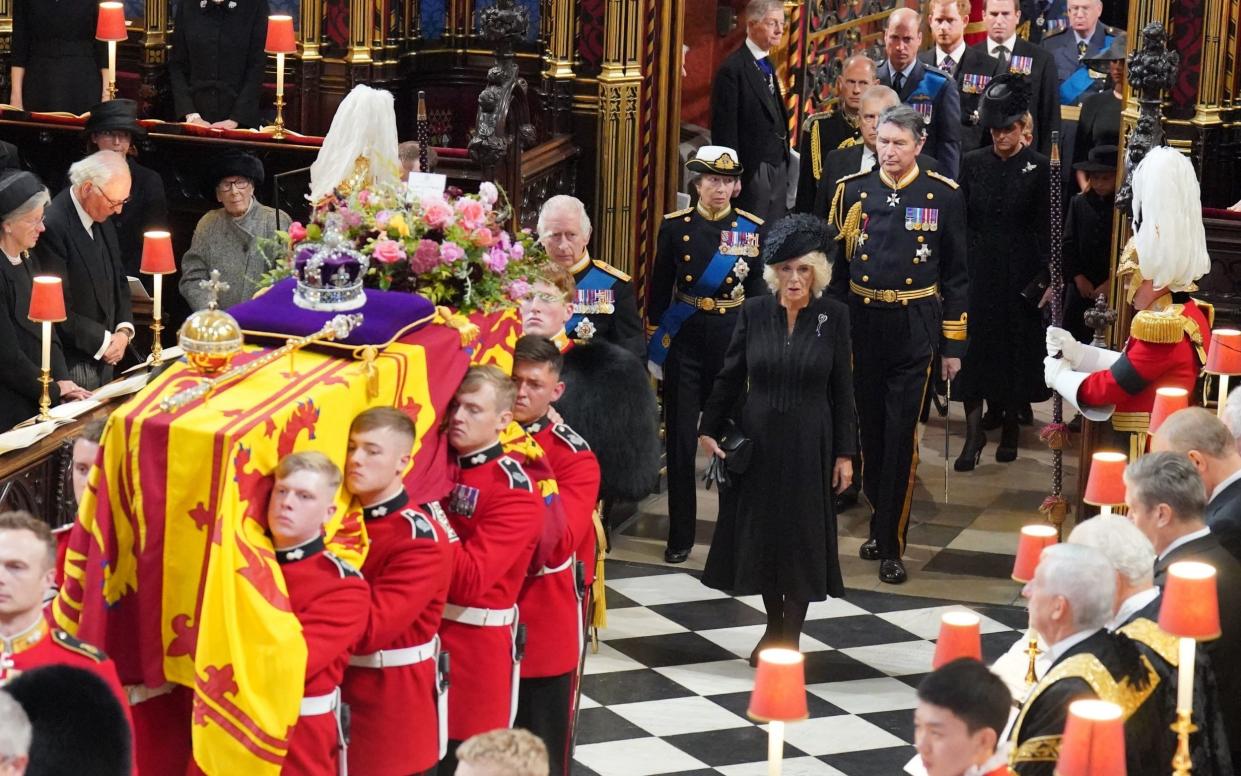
(1056, 434)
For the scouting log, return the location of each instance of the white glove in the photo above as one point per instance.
(1052, 367)
(1062, 342)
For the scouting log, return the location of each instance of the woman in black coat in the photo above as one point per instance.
(22, 199)
(57, 64)
(1005, 188)
(217, 61)
(789, 362)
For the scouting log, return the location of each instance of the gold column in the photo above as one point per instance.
(155, 26)
(559, 22)
(361, 31)
(310, 29)
(1211, 83)
(6, 21)
(620, 87)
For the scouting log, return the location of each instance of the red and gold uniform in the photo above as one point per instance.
(549, 600)
(494, 509)
(391, 685)
(330, 600)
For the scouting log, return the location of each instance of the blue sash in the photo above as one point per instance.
(595, 280)
(1077, 83)
(708, 284)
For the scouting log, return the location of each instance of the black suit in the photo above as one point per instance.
(943, 132)
(749, 118)
(846, 161)
(1223, 516)
(147, 209)
(217, 61)
(96, 290)
(21, 344)
(975, 63)
(1225, 651)
(1044, 87)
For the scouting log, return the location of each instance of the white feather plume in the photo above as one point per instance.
(1171, 241)
(364, 125)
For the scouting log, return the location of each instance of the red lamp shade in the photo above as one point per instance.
(779, 687)
(47, 299)
(1033, 539)
(280, 38)
(111, 23)
(1190, 606)
(1094, 740)
(959, 636)
(1106, 483)
(1224, 354)
(1167, 401)
(157, 256)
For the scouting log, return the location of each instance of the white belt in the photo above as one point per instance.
(568, 563)
(472, 615)
(315, 705)
(391, 658)
(137, 693)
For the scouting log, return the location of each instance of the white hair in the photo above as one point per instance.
(817, 261)
(569, 203)
(1232, 416)
(1122, 543)
(1082, 576)
(757, 9)
(15, 730)
(1170, 239)
(99, 168)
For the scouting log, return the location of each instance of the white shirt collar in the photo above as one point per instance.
(1008, 44)
(1131, 606)
(754, 49)
(1086, 39)
(868, 160)
(1186, 539)
(908, 69)
(956, 53)
(1230, 479)
(87, 221)
(1057, 650)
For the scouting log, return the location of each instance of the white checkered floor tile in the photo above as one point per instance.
(668, 689)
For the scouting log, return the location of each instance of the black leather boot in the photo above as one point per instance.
(975, 439)
(1010, 437)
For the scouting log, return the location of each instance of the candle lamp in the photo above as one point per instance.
(47, 306)
(779, 696)
(1189, 610)
(110, 27)
(1167, 401)
(1105, 485)
(280, 41)
(959, 636)
(1034, 538)
(1094, 740)
(157, 260)
(1224, 359)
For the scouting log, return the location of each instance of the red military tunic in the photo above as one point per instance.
(330, 600)
(587, 547)
(498, 516)
(1155, 356)
(549, 601)
(395, 720)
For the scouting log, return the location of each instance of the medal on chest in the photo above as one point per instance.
(463, 500)
(595, 302)
(974, 83)
(921, 219)
(1020, 65)
(739, 243)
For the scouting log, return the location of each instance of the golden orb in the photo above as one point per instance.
(210, 339)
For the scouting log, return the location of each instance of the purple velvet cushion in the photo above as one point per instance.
(386, 316)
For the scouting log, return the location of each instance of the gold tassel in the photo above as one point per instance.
(599, 617)
(448, 317)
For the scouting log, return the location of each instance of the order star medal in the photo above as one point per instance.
(923, 253)
(893, 199)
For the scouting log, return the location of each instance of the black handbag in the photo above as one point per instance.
(737, 448)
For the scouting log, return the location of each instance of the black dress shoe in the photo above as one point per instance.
(869, 550)
(675, 556)
(892, 572)
(1025, 415)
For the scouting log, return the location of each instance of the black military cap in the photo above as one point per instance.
(16, 187)
(1100, 159)
(1005, 100)
(231, 163)
(1101, 57)
(794, 236)
(114, 116)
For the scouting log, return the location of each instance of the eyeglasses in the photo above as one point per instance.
(114, 135)
(112, 203)
(237, 184)
(775, 24)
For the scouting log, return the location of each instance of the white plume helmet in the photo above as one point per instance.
(1171, 241)
(364, 126)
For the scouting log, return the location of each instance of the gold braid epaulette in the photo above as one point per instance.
(1165, 327)
(852, 229)
(1143, 631)
(816, 151)
(943, 179)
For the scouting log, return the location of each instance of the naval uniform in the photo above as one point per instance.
(496, 513)
(901, 264)
(331, 601)
(605, 307)
(550, 600)
(391, 684)
(705, 267)
(824, 132)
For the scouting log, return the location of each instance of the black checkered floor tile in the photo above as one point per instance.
(668, 689)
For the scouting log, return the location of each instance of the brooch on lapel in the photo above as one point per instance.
(818, 330)
(1029, 166)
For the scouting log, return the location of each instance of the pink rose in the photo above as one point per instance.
(426, 257)
(517, 252)
(450, 252)
(483, 237)
(388, 252)
(437, 213)
(364, 197)
(349, 218)
(473, 213)
(496, 260)
(297, 232)
(518, 290)
(488, 193)
(381, 219)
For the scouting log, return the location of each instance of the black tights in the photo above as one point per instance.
(785, 618)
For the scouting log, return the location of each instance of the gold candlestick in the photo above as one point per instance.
(157, 351)
(1033, 651)
(45, 399)
(1182, 764)
(279, 123)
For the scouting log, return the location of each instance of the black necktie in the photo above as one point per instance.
(1001, 53)
(95, 234)
(898, 82)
